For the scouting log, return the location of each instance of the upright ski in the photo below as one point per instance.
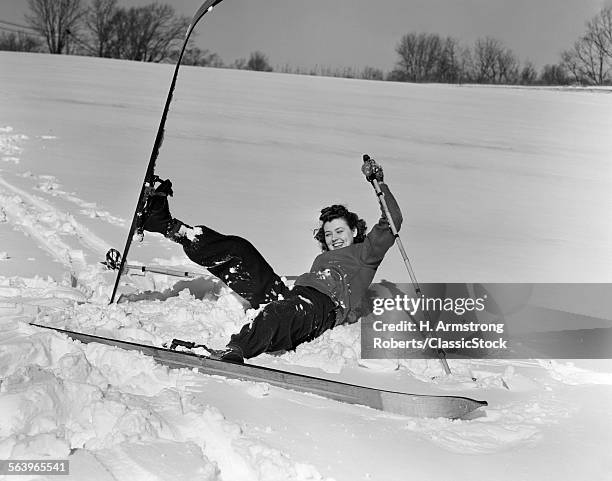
(150, 178)
(415, 405)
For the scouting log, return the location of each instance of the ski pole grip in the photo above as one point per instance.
(374, 182)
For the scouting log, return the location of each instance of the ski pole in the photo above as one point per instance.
(162, 270)
(113, 262)
(417, 288)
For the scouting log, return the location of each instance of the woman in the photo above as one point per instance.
(329, 294)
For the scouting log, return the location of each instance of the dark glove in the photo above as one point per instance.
(372, 170)
(156, 215)
(165, 187)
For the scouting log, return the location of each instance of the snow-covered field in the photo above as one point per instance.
(496, 185)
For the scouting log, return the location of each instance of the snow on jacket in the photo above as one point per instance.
(345, 274)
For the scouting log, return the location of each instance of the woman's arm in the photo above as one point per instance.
(380, 239)
(394, 210)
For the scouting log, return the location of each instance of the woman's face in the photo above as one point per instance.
(338, 234)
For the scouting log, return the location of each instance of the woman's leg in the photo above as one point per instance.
(284, 324)
(232, 259)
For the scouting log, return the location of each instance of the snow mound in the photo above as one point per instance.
(10, 144)
(568, 373)
(136, 417)
(210, 321)
(331, 352)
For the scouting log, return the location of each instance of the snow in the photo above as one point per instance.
(496, 184)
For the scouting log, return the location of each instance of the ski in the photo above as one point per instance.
(413, 405)
(150, 178)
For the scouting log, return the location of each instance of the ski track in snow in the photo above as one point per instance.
(11, 149)
(50, 185)
(45, 223)
(55, 231)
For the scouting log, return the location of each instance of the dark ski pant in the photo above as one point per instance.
(290, 317)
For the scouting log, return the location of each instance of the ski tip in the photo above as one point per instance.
(424, 406)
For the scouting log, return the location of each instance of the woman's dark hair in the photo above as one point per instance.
(340, 212)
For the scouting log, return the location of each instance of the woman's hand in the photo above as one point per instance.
(372, 170)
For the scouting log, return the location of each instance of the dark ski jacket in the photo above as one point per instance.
(345, 274)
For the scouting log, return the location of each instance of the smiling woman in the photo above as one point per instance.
(330, 294)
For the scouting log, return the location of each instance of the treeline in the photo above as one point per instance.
(151, 33)
(432, 58)
(102, 28)
(154, 33)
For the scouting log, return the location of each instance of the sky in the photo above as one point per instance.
(358, 33)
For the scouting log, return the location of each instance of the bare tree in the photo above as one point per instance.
(493, 63)
(146, 34)
(55, 20)
(371, 73)
(528, 75)
(587, 62)
(554, 75)
(466, 65)
(418, 57)
(428, 58)
(239, 64)
(449, 64)
(345, 72)
(258, 61)
(485, 60)
(197, 56)
(19, 42)
(99, 20)
(396, 75)
(599, 31)
(508, 66)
